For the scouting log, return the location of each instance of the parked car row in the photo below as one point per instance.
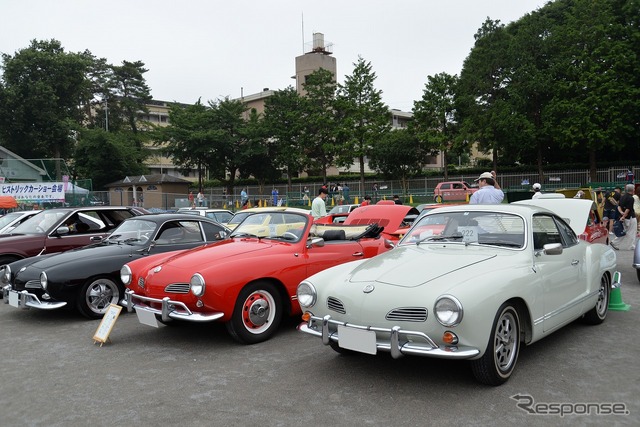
(468, 282)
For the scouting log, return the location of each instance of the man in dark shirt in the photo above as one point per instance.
(628, 217)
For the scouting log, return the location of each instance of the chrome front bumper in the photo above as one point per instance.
(170, 309)
(24, 299)
(400, 342)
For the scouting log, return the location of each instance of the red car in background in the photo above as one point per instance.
(453, 191)
(249, 280)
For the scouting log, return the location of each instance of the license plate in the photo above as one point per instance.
(357, 339)
(146, 317)
(14, 301)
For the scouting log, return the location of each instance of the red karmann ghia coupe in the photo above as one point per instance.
(248, 280)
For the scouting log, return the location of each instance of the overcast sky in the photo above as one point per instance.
(211, 49)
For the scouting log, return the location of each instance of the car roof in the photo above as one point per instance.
(204, 209)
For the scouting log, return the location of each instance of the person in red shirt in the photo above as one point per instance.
(366, 201)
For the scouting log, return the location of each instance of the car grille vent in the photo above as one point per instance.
(177, 288)
(33, 284)
(336, 305)
(408, 314)
(141, 282)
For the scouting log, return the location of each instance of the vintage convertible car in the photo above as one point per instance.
(494, 277)
(88, 278)
(249, 280)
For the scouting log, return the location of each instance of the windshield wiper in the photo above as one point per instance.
(243, 234)
(439, 238)
(505, 243)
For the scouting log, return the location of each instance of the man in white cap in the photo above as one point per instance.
(489, 192)
(536, 191)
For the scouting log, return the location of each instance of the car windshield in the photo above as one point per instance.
(239, 217)
(9, 218)
(40, 223)
(134, 231)
(485, 228)
(273, 225)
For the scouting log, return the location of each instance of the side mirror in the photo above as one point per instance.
(62, 230)
(315, 241)
(552, 248)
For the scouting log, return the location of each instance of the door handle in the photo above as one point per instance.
(357, 254)
(575, 262)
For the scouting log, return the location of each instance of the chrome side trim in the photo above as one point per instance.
(548, 316)
(400, 342)
(170, 309)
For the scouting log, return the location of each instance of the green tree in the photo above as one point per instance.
(363, 118)
(398, 155)
(283, 123)
(230, 142)
(259, 152)
(189, 137)
(318, 136)
(596, 101)
(434, 121)
(93, 149)
(42, 94)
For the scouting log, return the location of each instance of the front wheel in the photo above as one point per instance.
(257, 313)
(499, 359)
(598, 313)
(96, 296)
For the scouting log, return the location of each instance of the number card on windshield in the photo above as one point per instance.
(469, 234)
(108, 320)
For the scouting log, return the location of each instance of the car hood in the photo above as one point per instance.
(81, 255)
(211, 255)
(416, 265)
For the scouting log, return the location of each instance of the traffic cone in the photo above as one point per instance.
(410, 199)
(237, 204)
(467, 197)
(333, 202)
(615, 296)
(356, 201)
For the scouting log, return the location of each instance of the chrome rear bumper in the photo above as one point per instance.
(399, 342)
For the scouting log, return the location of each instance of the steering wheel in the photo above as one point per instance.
(40, 229)
(290, 236)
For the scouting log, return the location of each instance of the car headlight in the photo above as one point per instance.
(197, 285)
(44, 281)
(125, 275)
(448, 310)
(307, 294)
(6, 275)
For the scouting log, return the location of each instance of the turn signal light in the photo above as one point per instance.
(306, 316)
(450, 338)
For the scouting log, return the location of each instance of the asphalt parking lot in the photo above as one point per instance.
(52, 373)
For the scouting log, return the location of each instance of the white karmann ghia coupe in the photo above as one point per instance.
(466, 282)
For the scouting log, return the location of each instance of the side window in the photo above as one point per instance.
(544, 231)
(445, 187)
(568, 236)
(170, 234)
(212, 232)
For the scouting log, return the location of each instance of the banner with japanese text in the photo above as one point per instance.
(34, 191)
